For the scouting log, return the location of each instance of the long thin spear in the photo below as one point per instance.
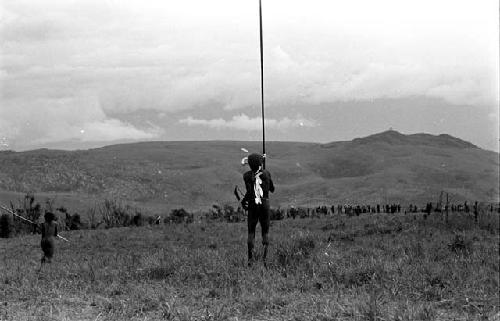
(25, 219)
(262, 84)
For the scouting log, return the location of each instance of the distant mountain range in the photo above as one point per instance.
(381, 168)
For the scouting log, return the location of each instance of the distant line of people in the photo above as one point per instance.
(349, 209)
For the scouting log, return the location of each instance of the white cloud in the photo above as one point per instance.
(243, 122)
(54, 120)
(171, 57)
(494, 116)
(113, 129)
(131, 55)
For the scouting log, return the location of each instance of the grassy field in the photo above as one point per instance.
(371, 267)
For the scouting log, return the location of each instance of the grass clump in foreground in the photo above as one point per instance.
(373, 267)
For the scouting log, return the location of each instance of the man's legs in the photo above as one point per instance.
(265, 221)
(253, 218)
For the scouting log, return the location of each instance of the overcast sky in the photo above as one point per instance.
(83, 73)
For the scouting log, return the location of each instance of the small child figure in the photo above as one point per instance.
(49, 232)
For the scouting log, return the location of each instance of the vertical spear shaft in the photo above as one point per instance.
(262, 84)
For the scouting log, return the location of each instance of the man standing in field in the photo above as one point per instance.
(258, 184)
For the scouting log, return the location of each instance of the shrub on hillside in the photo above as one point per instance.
(114, 214)
(277, 214)
(28, 209)
(151, 220)
(138, 219)
(92, 214)
(33, 210)
(6, 227)
(215, 213)
(180, 216)
(231, 215)
(302, 212)
(20, 226)
(225, 213)
(73, 222)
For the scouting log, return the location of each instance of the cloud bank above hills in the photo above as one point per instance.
(82, 70)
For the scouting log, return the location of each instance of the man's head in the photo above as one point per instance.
(255, 161)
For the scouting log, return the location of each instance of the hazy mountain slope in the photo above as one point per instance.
(384, 167)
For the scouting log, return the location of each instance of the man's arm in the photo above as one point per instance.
(248, 194)
(271, 184)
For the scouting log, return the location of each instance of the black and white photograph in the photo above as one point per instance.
(255, 160)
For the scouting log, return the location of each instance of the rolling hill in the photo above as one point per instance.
(385, 167)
